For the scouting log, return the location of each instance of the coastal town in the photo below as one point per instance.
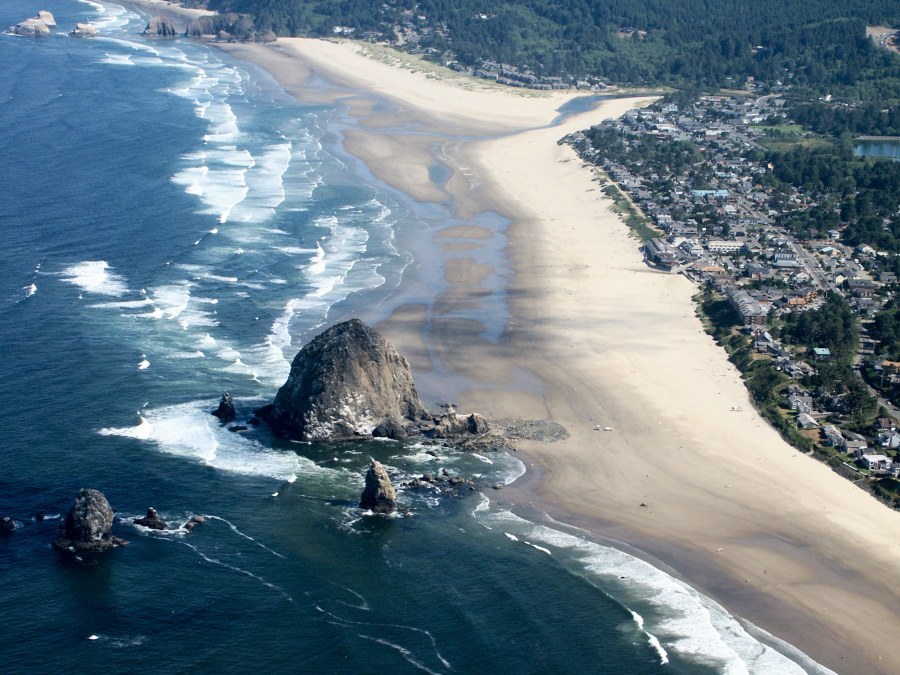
(694, 179)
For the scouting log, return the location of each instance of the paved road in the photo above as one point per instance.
(818, 277)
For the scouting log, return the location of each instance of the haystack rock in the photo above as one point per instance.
(88, 524)
(379, 494)
(160, 26)
(39, 25)
(84, 30)
(342, 385)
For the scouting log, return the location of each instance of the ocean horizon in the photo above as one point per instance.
(176, 226)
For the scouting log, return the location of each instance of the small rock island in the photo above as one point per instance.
(344, 384)
(36, 26)
(87, 526)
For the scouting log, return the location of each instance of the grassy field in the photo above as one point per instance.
(783, 137)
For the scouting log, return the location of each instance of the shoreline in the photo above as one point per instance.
(595, 337)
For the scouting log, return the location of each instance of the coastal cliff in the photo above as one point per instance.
(160, 26)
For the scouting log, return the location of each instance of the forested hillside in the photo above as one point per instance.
(820, 44)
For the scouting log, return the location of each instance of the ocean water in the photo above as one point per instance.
(174, 225)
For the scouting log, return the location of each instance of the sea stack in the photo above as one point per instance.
(343, 385)
(160, 26)
(379, 495)
(225, 411)
(88, 524)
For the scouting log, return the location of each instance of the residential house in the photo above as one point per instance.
(889, 439)
(834, 437)
(800, 401)
(806, 421)
(876, 463)
(855, 444)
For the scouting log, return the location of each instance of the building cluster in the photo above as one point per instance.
(513, 76)
(718, 226)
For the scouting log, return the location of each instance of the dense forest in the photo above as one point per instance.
(818, 44)
(863, 193)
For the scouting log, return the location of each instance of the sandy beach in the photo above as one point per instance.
(687, 473)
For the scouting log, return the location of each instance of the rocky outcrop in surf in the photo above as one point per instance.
(350, 383)
(452, 424)
(36, 26)
(379, 494)
(160, 26)
(84, 30)
(87, 527)
(225, 411)
(151, 520)
(343, 385)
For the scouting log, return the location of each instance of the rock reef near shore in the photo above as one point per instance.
(84, 30)
(151, 520)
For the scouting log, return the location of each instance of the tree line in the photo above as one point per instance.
(816, 44)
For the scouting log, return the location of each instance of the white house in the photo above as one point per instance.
(876, 463)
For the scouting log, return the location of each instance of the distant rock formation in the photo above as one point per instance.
(88, 524)
(193, 522)
(36, 26)
(151, 520)
(225, 411)
(84, 30)
(379, 495)
(343, 385)
(390, 428)
(228, 28)
(211, 25)
(452, 424)
(160, 26)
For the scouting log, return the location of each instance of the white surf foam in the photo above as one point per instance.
(109, 17)
(675, 617)
(188, 430)
(95, 276)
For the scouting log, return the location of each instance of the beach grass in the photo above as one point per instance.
(631, 214)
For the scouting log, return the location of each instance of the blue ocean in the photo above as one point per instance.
(175, 225)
